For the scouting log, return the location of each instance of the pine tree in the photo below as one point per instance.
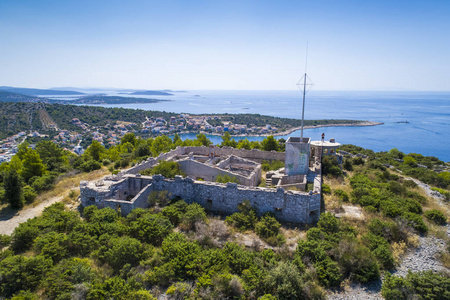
(13, 189)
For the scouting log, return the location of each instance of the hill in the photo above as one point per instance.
(152, 93)
(6, 96)
(38, 92)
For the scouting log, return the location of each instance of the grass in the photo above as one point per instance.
(68, 183)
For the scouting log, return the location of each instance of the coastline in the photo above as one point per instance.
(291, 130)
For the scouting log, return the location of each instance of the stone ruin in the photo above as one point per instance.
(129, 190)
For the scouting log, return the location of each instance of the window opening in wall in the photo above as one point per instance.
(209, 204)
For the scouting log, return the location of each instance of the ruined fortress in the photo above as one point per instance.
(202, 165)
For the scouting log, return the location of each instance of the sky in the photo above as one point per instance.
(379, 45)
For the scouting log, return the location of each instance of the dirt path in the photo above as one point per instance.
(11, 219)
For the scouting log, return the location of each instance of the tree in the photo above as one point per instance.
(244, 144)
(227, 141)
(13, 189)
(32, 165)
(269, 143)
(167, 169)
(95, 150)
(203, 139)
(51, 154)
(128, 138)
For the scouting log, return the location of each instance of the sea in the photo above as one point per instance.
(413, 122)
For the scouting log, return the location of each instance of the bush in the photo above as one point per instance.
(43, 183)
(23, 236)
(5, 240)
(343, 196)
(384, 256)
(415, 221)
(160, 198)
(194, 213)
(421, 285)
(29, 194)
(22, 273)
(268, 226)
(436, 216)
(272, 165)
(328, 272)
(330, 166)
(227, 178)
(328, 223)
(245, 219)
(90, 165)
(326, 189)
(151, 228)
(175, 211)
(124, 250)
(168, 169)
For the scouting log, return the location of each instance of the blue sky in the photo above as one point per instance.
(249, 45)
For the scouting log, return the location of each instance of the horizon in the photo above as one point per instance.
(73, 88)
(235, 45)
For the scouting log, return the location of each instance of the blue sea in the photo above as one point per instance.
(427, 113)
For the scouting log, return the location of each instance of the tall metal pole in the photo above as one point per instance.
(304, 93)
(303, 109)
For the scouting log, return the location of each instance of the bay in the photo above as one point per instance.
(427, 114)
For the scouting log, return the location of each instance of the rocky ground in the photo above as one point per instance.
(422, 258)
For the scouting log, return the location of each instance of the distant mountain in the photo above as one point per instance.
(38, 92)
(102, 99)
(6, 96)
(152, 93)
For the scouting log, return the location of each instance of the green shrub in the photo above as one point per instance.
(330, 166)
(343, 196)
(175, 211)
(43, 183)
(268, 226)
(326, 189)
(194, 213)
(415, 221)
(90, 165)
(23, 236)
(162, 198)
(245, 219)
(29, 194)
(52, 245)
(421, 285)
(168, 169)
(384, 256)
(328, 223)
(328, 272)
(227, 178)
(272, 165)
(5, 240)
(436, 216)
(22, 273)
(124, 250)
(151, 228)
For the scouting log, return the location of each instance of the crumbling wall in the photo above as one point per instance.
(254, 154)
(289, 206)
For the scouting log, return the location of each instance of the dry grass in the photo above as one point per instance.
(66, 184)
(445, 259)
(398, 250)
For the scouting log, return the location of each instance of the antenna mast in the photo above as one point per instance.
(302, 86)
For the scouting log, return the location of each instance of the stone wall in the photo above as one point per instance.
(255, 155)
(288, 206)
(196, 170)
